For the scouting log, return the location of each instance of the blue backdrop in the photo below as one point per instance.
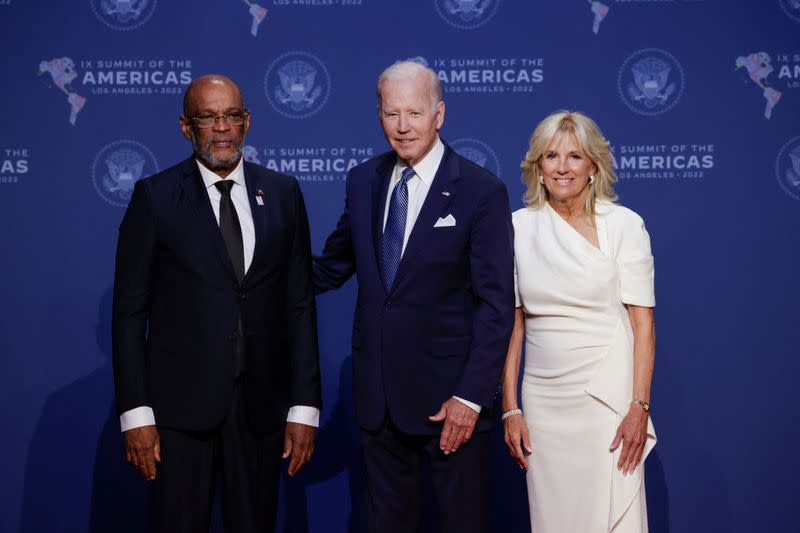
(700, 99)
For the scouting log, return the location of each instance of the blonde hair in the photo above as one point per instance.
(591, 142)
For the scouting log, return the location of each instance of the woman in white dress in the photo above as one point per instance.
(585, 302)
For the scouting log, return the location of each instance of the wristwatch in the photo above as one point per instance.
(643, 405)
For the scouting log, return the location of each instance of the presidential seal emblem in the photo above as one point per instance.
(650, 81)
(123, 15)
(787, 167)
(791, 8)
(118, 166)
(466, 14)
(250, 154)
(478, 152)
(297, 85)
(416, 59)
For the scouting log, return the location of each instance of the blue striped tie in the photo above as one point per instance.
(395, 229)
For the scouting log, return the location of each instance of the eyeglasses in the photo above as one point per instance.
(208, 121)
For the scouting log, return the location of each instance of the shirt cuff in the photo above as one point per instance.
(475, 407)
(303, 414)
(136, 418)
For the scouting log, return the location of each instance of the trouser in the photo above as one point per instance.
(461, 481)
(247, 464)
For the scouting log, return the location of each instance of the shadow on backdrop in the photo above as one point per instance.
(62, 495)
(336, 452)
(78, 428)
(657, 494)
(509, 499)
(691, 460)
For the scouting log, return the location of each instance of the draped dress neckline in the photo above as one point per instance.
(583, 245)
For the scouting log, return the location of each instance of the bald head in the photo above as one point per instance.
(203, 83)
(216, 122)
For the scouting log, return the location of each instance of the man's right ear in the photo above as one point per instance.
(185, 127)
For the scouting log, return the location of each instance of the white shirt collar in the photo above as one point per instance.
(210, 177)
(425, 169)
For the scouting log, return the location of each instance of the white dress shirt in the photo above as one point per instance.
(418, 187)
(302, 414)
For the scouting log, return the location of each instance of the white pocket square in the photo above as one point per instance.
(445, 222)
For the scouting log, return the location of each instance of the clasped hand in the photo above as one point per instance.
(459, 424)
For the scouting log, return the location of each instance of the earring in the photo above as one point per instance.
(591, 179)
(541, 179)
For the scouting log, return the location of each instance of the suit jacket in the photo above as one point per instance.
(177, 304)
(444, 326)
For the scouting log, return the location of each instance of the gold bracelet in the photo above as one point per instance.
(643, 405)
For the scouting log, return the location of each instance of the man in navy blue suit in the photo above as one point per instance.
(428, 234)
(214, 325)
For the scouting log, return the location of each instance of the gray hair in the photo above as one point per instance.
(405, 70)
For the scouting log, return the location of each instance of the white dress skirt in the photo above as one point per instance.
(578, 377)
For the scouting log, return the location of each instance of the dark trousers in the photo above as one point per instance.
(247, 464)
(460, 481)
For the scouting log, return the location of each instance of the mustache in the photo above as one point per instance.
(204, 152)
(206, 144)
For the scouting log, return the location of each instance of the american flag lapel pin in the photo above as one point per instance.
(260, 197)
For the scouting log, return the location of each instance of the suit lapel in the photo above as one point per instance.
(441, 193)
(255, 189)
(380, 188)
(195, 192)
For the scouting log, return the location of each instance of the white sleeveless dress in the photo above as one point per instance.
(578, 376)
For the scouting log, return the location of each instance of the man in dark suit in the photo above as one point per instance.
(428, 234)
(214, 328)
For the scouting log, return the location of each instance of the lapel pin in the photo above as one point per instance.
(446, 193)
(260, 197)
